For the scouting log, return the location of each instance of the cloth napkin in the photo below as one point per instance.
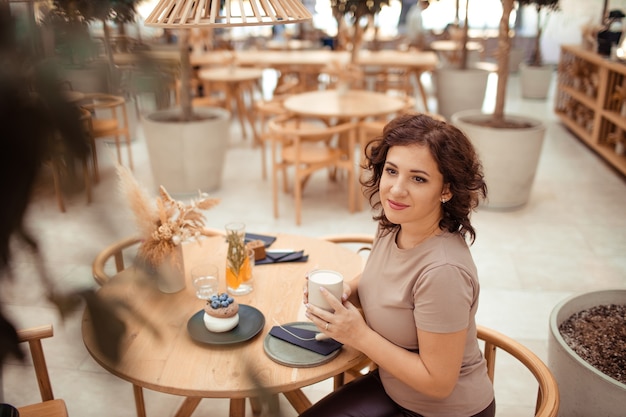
(287, 256)
(267, 240)
(323, 347)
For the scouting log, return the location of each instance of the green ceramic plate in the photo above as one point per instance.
(288, 354)
(251, 322)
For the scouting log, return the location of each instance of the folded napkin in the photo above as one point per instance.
(323, 347)
(267, 240)
(287, 256)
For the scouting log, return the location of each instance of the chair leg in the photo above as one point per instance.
(297, 192)
(87, 179)
(130, 152)
(56, 179)
(94, 158)
(119, 150)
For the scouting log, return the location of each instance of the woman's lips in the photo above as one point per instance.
(395, 205)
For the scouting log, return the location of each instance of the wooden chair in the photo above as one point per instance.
(119, 252)
(61, 162)
(109, 119)
(547, 402)
(308, 148)
(264, 110)
(49, 407)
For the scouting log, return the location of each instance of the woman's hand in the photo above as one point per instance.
(344, 325)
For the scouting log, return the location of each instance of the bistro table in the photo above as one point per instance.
(238, 82)
(356, 105)
(159, 354)
(352, 104)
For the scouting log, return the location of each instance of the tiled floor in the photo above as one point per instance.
(570, 237)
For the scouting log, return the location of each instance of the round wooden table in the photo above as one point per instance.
(238, 81)
(358, 104)
(158, 353)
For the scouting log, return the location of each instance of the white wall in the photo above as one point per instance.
(564, 26)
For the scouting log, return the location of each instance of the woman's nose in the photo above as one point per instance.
(397, 188)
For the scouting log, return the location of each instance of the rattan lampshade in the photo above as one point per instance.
(181, 14)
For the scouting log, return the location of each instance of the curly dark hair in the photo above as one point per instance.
(455, 156)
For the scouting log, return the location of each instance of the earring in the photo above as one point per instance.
(444, 201)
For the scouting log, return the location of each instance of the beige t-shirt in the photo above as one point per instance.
(433, 287)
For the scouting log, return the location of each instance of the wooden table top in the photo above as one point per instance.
(230, 74)
(351, 104)
(452, 45)
(170, 361)
(419, 60)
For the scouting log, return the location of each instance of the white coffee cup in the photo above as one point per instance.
(331, 280)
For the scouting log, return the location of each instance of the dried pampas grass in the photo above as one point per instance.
(164, 223)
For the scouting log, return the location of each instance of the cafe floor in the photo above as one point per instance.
(569, 238)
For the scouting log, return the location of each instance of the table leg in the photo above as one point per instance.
(422, 90)
(298, 400)
(188, 406)
(272, 404)
(237, 407)
(140, 405)
(241, 109)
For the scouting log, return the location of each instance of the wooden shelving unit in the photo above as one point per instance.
(591, 101)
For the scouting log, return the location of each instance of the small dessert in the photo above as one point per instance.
(258, 247)
(221, 313)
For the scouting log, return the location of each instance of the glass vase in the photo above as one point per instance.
(238, 262)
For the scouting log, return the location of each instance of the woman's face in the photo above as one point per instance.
(411, 187)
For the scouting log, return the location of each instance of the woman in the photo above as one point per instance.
(419, 289)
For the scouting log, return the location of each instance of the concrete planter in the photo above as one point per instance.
(509, 156)
(458, 90)
(187, 156)
(584, 390)
(535, 81)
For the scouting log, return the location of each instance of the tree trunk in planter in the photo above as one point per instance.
(187, 156)
(509, 155)
(584, 390)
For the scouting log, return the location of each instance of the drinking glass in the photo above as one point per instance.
(239, 260)
(205, 279)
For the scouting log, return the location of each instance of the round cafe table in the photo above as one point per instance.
(158, 353)
(238, 82)
(358, 104)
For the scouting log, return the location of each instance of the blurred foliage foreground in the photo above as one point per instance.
(37, 124)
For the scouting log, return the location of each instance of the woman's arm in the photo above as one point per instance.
(433, 371)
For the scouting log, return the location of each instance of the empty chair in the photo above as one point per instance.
(49, 406)
(61, 163)
(308, 147)
(108, 120)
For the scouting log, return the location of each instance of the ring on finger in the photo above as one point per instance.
(327, 326)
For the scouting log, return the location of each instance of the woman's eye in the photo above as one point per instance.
(419, 179)
(390, 171)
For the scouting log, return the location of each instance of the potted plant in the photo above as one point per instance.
(359, 13)
(70, 20)
(187, 146)
(509, 146)
(462, 86)
(171, 232)
(76, 53)
(583, 342)
(535, 76)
